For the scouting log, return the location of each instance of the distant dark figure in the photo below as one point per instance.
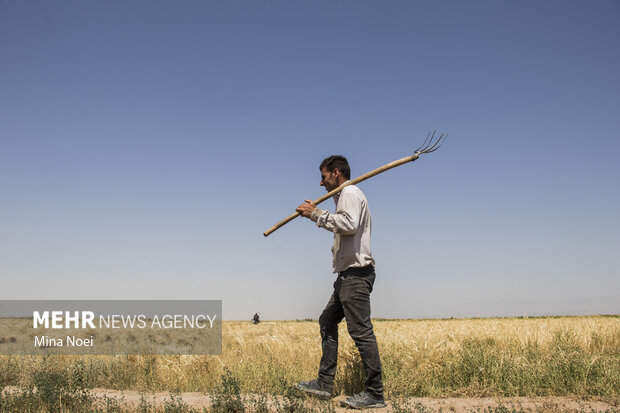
(255, 319)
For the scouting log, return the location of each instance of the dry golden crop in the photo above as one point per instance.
(458, 357)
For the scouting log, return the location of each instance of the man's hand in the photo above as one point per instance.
(306, 209)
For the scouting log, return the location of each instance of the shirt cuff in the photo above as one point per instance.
(316, 214)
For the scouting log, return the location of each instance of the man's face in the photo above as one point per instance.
(329, 179)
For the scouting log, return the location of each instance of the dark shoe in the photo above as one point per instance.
(363, 400)
(315, 387)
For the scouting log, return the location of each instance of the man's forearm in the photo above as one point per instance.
(341, 223)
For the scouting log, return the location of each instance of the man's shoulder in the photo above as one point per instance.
(353, 190)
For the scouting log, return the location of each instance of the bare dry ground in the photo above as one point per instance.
(524, 404)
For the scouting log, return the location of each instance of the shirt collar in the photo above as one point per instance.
(337, 196)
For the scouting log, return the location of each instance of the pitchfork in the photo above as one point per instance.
(430, 145)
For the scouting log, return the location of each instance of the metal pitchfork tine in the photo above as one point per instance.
(430, 145)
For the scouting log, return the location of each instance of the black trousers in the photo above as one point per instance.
(351, 300)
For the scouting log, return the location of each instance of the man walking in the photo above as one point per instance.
(353, 262)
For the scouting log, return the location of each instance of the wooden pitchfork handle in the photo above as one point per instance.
(429, 145)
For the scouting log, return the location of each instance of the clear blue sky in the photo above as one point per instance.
(146, 145)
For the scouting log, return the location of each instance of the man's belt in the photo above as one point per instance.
(358, 271)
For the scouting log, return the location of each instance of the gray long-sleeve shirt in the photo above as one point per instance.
(351, 225)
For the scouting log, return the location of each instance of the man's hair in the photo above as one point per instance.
(336, 162)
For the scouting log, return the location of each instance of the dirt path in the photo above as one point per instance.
(525, 404)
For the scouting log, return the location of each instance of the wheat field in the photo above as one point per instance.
(576, 356)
